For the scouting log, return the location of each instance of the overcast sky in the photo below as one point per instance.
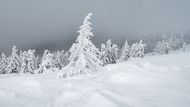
(53, 24)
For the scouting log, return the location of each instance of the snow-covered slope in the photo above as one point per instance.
(154, 81)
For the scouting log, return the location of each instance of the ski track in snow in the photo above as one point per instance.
(154, 81)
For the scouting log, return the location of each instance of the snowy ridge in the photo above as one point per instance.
(154, 81)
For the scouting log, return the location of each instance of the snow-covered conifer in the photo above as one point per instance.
(38, 61)
(84, 54)
(24, 62)
(110, 59)
(103, 54)
(162, 47)
(184, 46)
(57, 59)
(175, 41)
(134, 50)
(125, 52)
(165, 47)
(32, 61)
(3, 64)
(137, 49)
(61, 58)
(28, 62)
(13, 61)
(115, 52)
(47, 63)
(65, 58)
(141, 49)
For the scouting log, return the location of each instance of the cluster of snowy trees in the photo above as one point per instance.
(111, 53)
(28, 62)
(83, 56)
(176, 40)
(170, 42)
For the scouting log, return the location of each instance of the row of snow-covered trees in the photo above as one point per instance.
(111, 53)
(83, 57)
(175, 40)
(28, 62)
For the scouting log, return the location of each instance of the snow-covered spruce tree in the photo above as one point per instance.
(125, 52)
(65, 58)
(58, 59)
(115, 52)
(47, 63)
(110, 59)
(32, 61)
(13, 62)
(61, 58)
(103, 54)
(162, 47)
(175, 41)
(134, 49)
(3, 64)
(24, 62)
(184, 46)
(141, 50)
(137, 49)
(84, 54)
(38, 61)
(158, 48)
(165, 47)
(28, 62)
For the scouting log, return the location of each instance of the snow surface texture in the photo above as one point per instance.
(154, 81)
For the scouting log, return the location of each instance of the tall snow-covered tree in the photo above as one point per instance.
(84, 54)
(3, 64)
(125, 52)
(47, 63)
(137, 49)
(14, 62)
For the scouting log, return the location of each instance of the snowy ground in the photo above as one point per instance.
(154, 81)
